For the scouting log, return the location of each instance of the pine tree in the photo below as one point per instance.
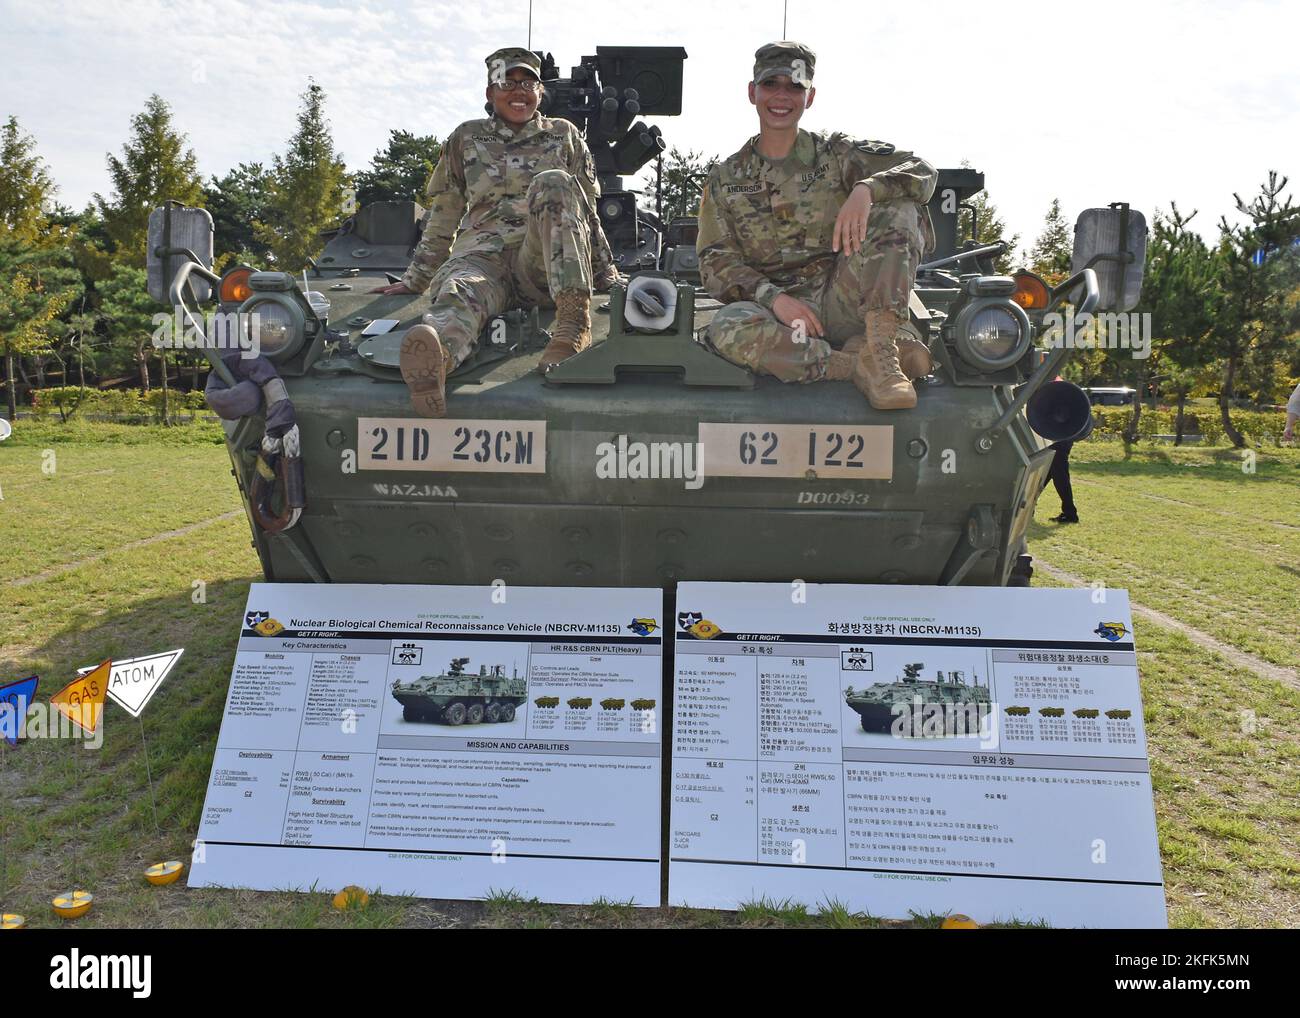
(1053, 250)
(1178, 291)
(1259, 271)
(155, 166)
(678, 187)
(237, 201)
(128, 312)
(30, 303)
(81, 331)
(26, 189)
(401, 171)
(307, 188)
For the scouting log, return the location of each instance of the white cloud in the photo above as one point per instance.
(1116, 100)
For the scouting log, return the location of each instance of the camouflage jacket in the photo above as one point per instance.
(766, 226)
(478, 193)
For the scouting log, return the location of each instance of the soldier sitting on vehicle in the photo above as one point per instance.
(812, 237)
(517, 192)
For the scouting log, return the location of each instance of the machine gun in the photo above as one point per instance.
(604, 95)
(458, 665)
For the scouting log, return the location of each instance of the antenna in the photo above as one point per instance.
(785, 11)
(530, 24)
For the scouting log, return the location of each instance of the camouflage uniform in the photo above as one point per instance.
(512, 220)
(766, 228)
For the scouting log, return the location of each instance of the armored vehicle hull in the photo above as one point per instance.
(569, 526)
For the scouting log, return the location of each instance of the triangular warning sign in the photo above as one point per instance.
(81, 701)
(133, 682)
(15, 698)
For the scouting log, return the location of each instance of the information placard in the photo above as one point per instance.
(441, 741)
(912, 749)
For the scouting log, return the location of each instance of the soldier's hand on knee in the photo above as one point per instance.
(393, 290)
(789, 310)
(851, 223)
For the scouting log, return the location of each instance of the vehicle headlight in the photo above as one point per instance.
(274, 328)
(992, 334)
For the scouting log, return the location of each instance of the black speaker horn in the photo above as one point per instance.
(1060, 412)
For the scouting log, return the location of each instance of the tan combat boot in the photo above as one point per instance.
(913, 355)
(424, 362)
(571, 332)
(876, 372)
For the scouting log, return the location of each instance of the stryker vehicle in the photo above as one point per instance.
(876, 704)
(1018, 712)
(1117, 714)
(612, 704)
(579, 702)
(1052, 712)
(1086, 712)
(800, 480)
(455, 698)
(643, 705)
(547, 701)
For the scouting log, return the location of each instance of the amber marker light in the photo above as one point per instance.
(234, 285)
(1031, 292)
(161, 873)
(73, 904)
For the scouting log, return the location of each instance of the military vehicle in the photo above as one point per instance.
(457, 698)
(1017, 712)
(801, 480)
(1052, 712)
(1086, 712)
(643, 704)
(611, 703)
(1118, 715)
(579, 702)
(547, 701)
(880, 705)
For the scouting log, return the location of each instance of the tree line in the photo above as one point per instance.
(73, 299)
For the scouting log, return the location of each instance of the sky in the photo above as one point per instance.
(1146, 102)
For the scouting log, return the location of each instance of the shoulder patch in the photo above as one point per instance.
(876, 148)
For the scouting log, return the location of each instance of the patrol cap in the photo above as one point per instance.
(792, 59)
(508, 58)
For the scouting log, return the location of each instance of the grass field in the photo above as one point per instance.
(134, 542)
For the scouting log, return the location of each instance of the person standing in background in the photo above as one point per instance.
(1292, 415)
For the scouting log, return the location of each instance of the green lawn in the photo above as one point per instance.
(1188, 533)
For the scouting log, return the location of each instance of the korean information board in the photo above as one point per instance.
(926, 749)
(441, 741)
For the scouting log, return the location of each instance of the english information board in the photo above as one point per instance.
(926, 749)
(441, 741)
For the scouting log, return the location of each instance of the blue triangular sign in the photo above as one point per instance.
(14, 701)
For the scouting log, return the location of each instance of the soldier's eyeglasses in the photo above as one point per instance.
(509, 85)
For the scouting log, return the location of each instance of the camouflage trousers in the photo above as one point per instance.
(555, 255)
(879, 275)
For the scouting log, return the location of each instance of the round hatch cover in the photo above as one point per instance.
(382, 350)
